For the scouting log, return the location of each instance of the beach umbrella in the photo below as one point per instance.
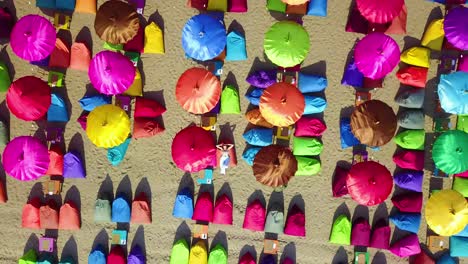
(380, 12)
(203, 37)
(452, 91)
(116, 22)
(282, 104)
(193, 149)
(25, 158)
(33, 38)
(450, 152)
(369, 183)
(455, 28)
(274, 166)
(198, 90)
(286, 43)
(111, 72)
(29, 98)
(107, 126)
(376, 55)
(373, 123)
(446, 212)
(136, 256)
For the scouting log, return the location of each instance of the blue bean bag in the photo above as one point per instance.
(347, 137)
(314, 104)
(259, 136)
(406, 221)
(254, 96)
(65, 4)
(89, 102)
(458, 246)
(317, 8)
(446, 259)
(268, 259)
(250, 153)
(183, 205)
(116, 154)
(44, 62)
(46, 258)
(50, 4)
(235, 47)
(121, 212)
(352, 76)
(58, 110)
(311, 83)
(97, 256)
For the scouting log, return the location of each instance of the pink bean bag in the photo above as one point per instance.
(339, 187)
(30, 217)
(360, 233)
(145, 107)
(463, 64)
(223, 211)
(116, 256)
(254, 216)
(380, 237)
(407, 246)
(247, 258)
(309, 127)
(410, 202)
(409, 159)
(237, 6)
(69, 217)
(295, 223)
(203, 208)
(137, 43)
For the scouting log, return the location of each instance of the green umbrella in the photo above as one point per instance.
(180, 252)
(286, 43)
(450, 152)
(29, 258)
(218, 255)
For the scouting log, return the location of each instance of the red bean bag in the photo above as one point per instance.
(116, 256)
(141, 210)
(148, 108)
(3, 196)
(203, 208)
(137, 43)
(409, 159)
(413, 76)
(380, 237)
(69, 217)
(80, 57)
(295, 223)
(254, 218)
(422, 258)
(198, 4)
(60, 56)
(247, 258)
(56, 161)
(49, 216)
(223, 211)
(30, 217)
(146, 127)
(410, 202)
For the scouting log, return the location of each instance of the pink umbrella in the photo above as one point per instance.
(193, 149)
(111, 72)
(380, 12)
(33, 38)
(25, 158)
(455, 27)
(28, 98)
(376, 55)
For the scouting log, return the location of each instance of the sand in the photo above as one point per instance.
(148, 164)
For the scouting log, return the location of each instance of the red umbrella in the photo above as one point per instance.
(380, 12)
(369, 183)
(28, 98)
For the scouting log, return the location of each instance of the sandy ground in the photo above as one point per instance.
(148, 164)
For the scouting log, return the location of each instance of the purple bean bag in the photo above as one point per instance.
(407, 246)
(409, 179)
(262, 79)
(203, 208)
(360, 232)
(136, 256)
(255, 216)
(409, 159)
(380, 236)
(352, 76)
(463, 64)
(410, 202)
(339, 187)
(73, 166)
(308, 126)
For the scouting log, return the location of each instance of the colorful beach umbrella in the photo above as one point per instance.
(286, 43)
(25, 158)
(33, 38)
(376, 55)
(453, 92)
(29, 98)
(116, 22)
(193, 149)
(379, 12)
(450, 152)
(447, 212)
(198, 90)
(369, 183)
(203, 37)
(455, 28)
(111, 72)
(282, 104)
(107, 126)
(274, 166)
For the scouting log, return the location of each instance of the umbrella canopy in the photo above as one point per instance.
(107, 126)
(374, 123)
(380, 12)
(376, 55)
(29, 98)
(455, 28)
(369, 183)
(286, 43)
(33, 38)
(25, 158)
(282, 104)
(111, 72)
(193, 149)
(198, 90)
(447, 212)
(453, 92)
(274, 166)
(203, 37)
(450, 152)
(116, 22)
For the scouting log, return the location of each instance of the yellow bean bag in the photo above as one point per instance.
(417, 56)
(433, 38)
(198, 254)
(137, 87)
(217, 5)
(154, 41)
(85, 6)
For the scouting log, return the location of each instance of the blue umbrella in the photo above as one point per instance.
(453, 92)
(203, 37)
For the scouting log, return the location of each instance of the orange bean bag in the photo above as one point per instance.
(60, 56)
(49, 216)
(30, 217)
(69, 217)
(56, 161)
(3, 196)
(80, 57)
(141, 210)
(85, 6)
(146, 127)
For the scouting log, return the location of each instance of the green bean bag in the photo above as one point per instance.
(306, 146)
(180, 252)
(462, 123)
(29, 258)
(411, 139)
(218, 255)
(5, 80)
(4, 134)
(307, 166)
(341, 231)
(230, 103)
(461, 185)
(276, 5)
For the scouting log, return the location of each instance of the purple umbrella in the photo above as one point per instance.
(111, 72)
(33, 38)
(25, 158)
(455, 27)
(376, 55)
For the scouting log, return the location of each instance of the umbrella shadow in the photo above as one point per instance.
(139, 240)
(36, 192)
(106, 190)
(430, 98)
(248, 249)
(341, 257)
(398, 234)
(227, 133)
(144, 187)
(298, 201)
(380, 214)
(289, 252)
(40, 132)
(84, 36)
(257, 195)
(11, 8)
(319, 68)
(436, 13)
(225, 190)
(125, 188)
(341, 210)
(237, 27)
(261, 65)
(70, 250)
(183, 232)
(186, 182)
(142, 72)
(435, 184)
(231, 80)
(379, 258)
(5, 58)
(346, 111)
(360, 211)
(102, 240)
(276, 202)
(73, 195)
(77, 146)
(409, 42)
(32, 243)
(263, 257)
(3, 179)
(220, 239)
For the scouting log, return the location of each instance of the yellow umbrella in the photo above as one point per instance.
(447, 212)
(295, 2)
(108, 126)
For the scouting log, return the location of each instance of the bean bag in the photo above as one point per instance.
(237, 6)
(217, 5)
(295, 222)
(3, 196)
(102, 211)
(339, 187)
(115, 155)
(461, 185)
(409, 179)
(137, 256)
(411, 98)
(154, 41)
(407, 246)
(49, 216)
(276, 5)
(180, 252)
(223, 211)
(311, 83)
(73, 166)
(137, 43)
(6, 19)
(43, 63)
(85, 6)
(235, 47)
(360, 232)
(262, 79)
(183, 205)
(69, 217)
(409, 159)
(411, 119)
(82, 120)
(255, 117)
(65, 5)
(30, 217)
(259, 136)
(247, 258)
(198, 4)
(218, 255)
(346, 135)
(60, 56)
(417, 56)
(463, 64)
(406, 221)
(410, 202)
(136, 89)
(369, 83)
(458, 246)
(56, 161)
(112, 47)
(275, 220)
(314, 104)
(97, 256)
(422, 258)
(46, 258)
(287, 261)
(57, 110)
(121, 212)
(306, 146)
(413, 76)
(4, 134)
(444, 259)
(249, 154)
(317, 8)
(146, 127)
(352, 76)
(411, 139)
(309, 127)
(89, 102)
(433, 37)
(307, 166)
(254, 218)
(462, 174)
(203, 210)
(5, 80)
(380, 236)
(116, 255)
(254, 96)
(145, 107)
(230, 103)
(141, 210)
(198, 253)
(29, 258)
(341, 231)
(398, 24)
(300, 9)
(268, 259)
(49, 4)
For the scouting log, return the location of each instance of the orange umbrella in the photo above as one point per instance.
(282, 104)
(295, 2)
(198, 90)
